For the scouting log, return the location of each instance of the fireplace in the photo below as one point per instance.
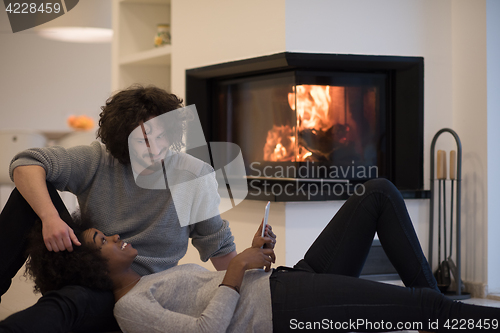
(317, 125)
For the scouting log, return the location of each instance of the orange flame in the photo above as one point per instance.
(279, 144)
(317, 108)
(312, 106)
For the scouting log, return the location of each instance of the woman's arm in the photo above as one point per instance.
(222, 263)
(253, 257)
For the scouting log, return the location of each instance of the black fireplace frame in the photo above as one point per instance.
(405, 90)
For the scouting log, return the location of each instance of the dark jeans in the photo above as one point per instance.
(72, 308)
(324, 286)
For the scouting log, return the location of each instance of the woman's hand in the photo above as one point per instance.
(255, 257)
(269, 239)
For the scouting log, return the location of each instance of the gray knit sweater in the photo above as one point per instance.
(186, 299)
(109, 196)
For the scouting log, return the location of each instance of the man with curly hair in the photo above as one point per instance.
(102, 178)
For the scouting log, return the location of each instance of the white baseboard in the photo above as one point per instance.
(476, 289)
(495, 297)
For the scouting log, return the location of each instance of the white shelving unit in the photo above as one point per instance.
(135, 59)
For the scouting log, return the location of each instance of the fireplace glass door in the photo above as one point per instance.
(296, 118)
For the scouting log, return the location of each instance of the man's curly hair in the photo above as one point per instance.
(50, 270)
(126, 110)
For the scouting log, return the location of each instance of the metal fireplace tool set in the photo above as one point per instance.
(447, 267)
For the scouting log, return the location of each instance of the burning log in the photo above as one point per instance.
(324, 143)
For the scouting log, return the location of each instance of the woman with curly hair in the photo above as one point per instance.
(321, 292)
(54, 270)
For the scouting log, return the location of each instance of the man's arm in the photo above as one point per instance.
(30, 180)
(222, 263)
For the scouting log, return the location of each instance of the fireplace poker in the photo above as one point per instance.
(453, 158)
(451, 263)
(443, 272)
(439, 176)
(445, 264)
(445, 176)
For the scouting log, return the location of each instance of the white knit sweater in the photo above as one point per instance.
(187, 298)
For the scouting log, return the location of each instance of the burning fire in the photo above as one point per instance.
(313, 106)
(279, 144)
(320, 115)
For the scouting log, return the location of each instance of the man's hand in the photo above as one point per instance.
(57, 235)
(30, 181)
(269, 237)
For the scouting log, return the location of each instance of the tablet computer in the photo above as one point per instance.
(266, 216)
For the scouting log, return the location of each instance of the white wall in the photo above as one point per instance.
(210, 32)
(42, 82)
(493, 81)
(303, 226)
(470, 122)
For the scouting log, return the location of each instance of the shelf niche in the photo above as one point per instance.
(134, 57)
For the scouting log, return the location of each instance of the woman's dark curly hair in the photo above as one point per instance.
(125, 111)
(49, 270)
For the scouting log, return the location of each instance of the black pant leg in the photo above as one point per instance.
(342, 247)
(339, 303)
(70, 309)
(16, 220)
